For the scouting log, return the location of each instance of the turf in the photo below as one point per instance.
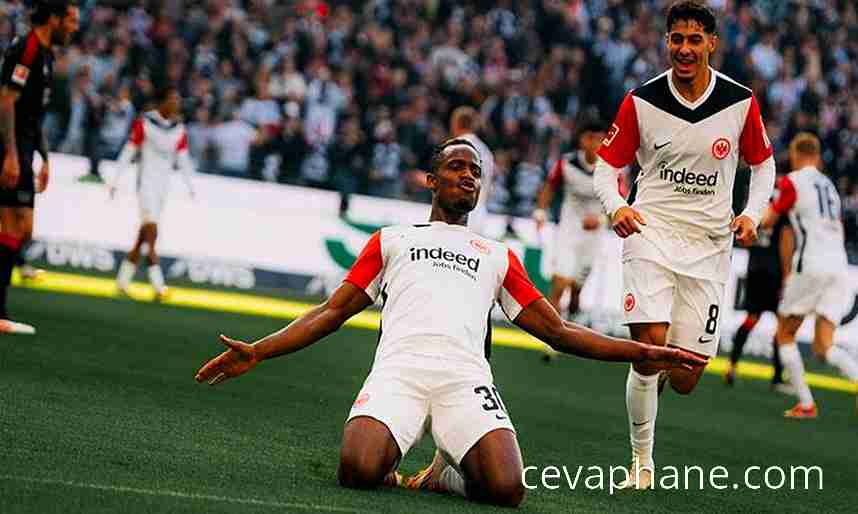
(100, 413)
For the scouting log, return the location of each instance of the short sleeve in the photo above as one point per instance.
(786, 196)
(623, 139)
(18, 62)
(137, 134)
(182, 144)
(555, 178)
(366, 272)
(517, 291)
(754, 144)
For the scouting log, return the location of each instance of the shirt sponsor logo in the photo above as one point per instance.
(20, 75)
(685, 180)
(448, 259)
(721, 148)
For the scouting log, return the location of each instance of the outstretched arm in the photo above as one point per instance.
(540, 320)
(312, 326)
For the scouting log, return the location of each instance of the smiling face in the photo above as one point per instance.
(456, 181)
(689, 46)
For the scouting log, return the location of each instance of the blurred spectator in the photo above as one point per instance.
(386, 162)
(231, 143)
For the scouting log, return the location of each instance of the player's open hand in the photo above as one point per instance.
(11, 171)
(625, 221)
(666, 357)
(42, 178)
(745, 230)
(239, 358)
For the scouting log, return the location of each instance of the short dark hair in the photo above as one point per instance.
(162, 92)
(44, 9)
(438, 153)
(591, 124)
(689, 10)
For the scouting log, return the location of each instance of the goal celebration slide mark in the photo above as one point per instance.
(243, 303)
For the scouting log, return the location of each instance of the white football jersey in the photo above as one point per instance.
(160, 143)
(438, 283)
(688, 154)
(813, 205)
(574, 175)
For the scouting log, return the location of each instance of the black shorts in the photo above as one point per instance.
(762, 291)
(24, 194)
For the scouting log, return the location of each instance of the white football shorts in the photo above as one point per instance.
(823, 294)
(151, 201)
(458, 407)
(692, 306)
(575, 251)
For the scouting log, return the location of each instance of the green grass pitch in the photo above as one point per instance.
(100, 413)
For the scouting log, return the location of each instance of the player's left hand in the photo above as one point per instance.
(239, 358)
(43, 177)
(666, 357)
(745, 230)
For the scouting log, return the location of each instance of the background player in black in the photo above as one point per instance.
(763, 284)
(25, 81)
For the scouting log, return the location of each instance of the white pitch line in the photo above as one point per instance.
(177, 494)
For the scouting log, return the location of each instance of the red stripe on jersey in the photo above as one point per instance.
(517, 283)
(786, 198)
(183, 142)
(620, 145)
(10, 242)
(368, 264)
(137, 134)
(30, 50)
(555, 178)
(754, 144)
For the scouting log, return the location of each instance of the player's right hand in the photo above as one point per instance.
(666, 357)
(239, 358)
(11, 171)
(625, 221)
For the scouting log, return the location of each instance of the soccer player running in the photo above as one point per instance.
(576, 240)
(438, 282)
(815, 284)
(25, 82)
(464, 123)
(768, 262)
(160, 142)
(687, 127)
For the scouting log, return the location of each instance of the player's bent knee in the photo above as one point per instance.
(506, 490)
(357, 471)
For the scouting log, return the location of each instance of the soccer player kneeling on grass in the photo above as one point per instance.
(438, 282)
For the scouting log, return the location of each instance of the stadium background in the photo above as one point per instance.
(346, 99)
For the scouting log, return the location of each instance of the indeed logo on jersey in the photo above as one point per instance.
(448, 259)
(684, 178)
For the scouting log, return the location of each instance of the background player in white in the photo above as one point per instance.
(687, 128)
(438, 282)
(159, 141)
(819, 269)
(464, 123)
(576, 239)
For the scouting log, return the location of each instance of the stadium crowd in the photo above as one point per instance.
(352, 95)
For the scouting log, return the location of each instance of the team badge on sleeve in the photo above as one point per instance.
(20, 75)
(629, 302)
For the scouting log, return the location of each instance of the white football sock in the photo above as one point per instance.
(642, 406)
(792, 362)
(843, 360)
(452, 481)
(126, 272)
(156, 278)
